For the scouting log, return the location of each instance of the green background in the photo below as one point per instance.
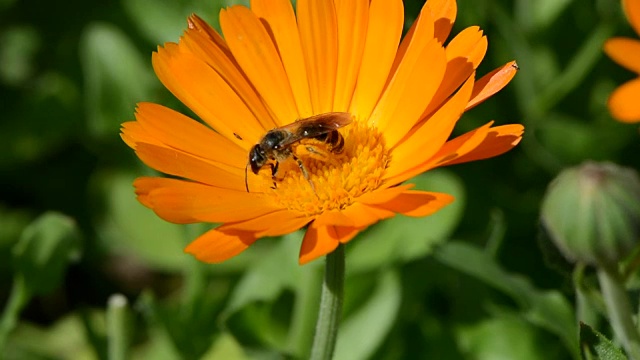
(476, 287)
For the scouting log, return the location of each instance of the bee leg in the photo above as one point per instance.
(246, 181)
(274, 171)
(304, 172)
(314, 150)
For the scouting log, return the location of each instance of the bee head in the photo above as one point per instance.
(257, 158)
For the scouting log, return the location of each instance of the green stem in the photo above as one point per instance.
(117, 328)
(584, 308)
(18, 298)
(632, 266)
(619, 309)
(324, 341)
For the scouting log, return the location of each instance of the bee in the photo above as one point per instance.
(276, 144)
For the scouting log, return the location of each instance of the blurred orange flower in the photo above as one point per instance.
(273, 67)
(623, 102)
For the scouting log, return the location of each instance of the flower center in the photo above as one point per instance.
(334, 180)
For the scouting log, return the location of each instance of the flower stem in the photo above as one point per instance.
(117, 327)
(19, 297)
(619, 309)
(585, 312)
(324, 341)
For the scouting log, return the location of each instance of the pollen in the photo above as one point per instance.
(335, 180)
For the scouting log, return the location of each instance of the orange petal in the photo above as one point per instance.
(405, 99)
(492, 83)
(478, 144)
(181, 201)
(346, 234)
(383, 195)
(202, 89)
(357, 215)
(178, 163)
(319, 33)
(383, 36)
(632, 9)
(256, 53)
(132, 133)
(206, 44)
(464, 54)
(220, 244)
(321, 240)
(419, 35)
(625, 52)
(497, 141)
(318, 241)
(352, 17)
(144, 185)
(623, 102)
(286, 227)
(418, 203)
(425, 141)
(178, 131)
(333, 217)
(279, 19)
(481, 143)
(265, 223)
(451, 150)
(459, 146)
(444, 15)
(214, 44)
(364, 215)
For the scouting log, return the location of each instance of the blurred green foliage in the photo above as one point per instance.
(68, 79)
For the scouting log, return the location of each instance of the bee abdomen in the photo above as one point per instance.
(334, 139)
(337, 143)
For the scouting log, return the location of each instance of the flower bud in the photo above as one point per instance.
(592, 212)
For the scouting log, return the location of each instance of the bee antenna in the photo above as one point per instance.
(246, 182)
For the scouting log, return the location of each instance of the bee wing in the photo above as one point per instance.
(315, 125)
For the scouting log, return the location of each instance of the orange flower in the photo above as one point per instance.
(623, 102)
(272, 68)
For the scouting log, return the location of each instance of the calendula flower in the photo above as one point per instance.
(623, 102)
(272, 66)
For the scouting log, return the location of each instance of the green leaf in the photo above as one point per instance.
(29, 133)
(184, 329)
(305, 311)
(547, 309)
(162, 21)
(12, 223)
(404, 238)
(261, 309)
(572, 139)
(65, 339)
(503, 336)
(546, 12)
(225, 347)
(362, 333)
(116, 78)
(276, 271)
(20, 44)
(596, 346)
(582, 63)
(44, 250)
